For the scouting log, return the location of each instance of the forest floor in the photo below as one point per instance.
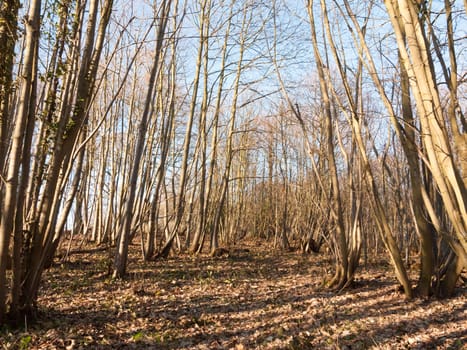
(256, 298)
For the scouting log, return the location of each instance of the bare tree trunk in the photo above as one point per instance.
(166, 139)
(69, 126)
(181, 200)
(21, 238)
(378, 208)
(340, 278)
(229, 146)
(457, 119)
(419, 66)
(425, 229)
(418, 63)
(28, 76)
(121, 254)
(202, 137)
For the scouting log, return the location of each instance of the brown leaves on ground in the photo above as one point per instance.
(248, 300)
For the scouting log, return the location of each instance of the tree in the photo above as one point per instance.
(32, 201)
(408, 21)
(124, 234)
(8, 226)
(434, 265)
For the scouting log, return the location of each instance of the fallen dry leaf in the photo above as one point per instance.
(259, 300)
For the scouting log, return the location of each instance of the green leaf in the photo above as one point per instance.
(137, 336)
(24, 342)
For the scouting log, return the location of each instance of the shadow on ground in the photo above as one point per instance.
(251, 300)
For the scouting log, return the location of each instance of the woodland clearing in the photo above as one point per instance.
(254, 298)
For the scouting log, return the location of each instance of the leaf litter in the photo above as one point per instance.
(254, 299)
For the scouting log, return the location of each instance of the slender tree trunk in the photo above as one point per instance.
(202, 129)
(425, 229)
(121, 254)
(180, 204)
(28, 76)
(340, 278)
(21, 236)
(43, 229)
(417, 61)
(229, 146)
